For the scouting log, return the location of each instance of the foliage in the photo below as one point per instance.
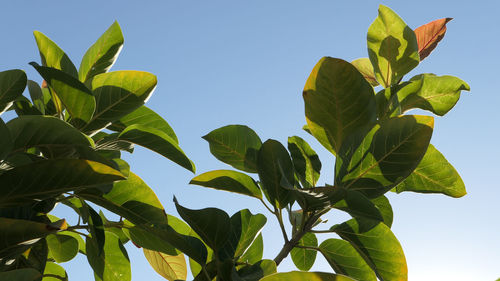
(65, 147)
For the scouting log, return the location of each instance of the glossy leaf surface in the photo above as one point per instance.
(102, 54)
(236, 145)
(110, 264)
(392, 47)
(344, 259)
(305, 258)
(375, 162)
(378, 246)
(429, 35)
(365, 67)
(338, 100)
(306, 276)
(434, 174)
(12, 85)
(44, 179)
(169, 267)
(228, 180)
(53, 56)
(305, 161)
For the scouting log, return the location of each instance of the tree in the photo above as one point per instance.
(65, 146)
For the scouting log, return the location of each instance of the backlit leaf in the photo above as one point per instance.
(256, 271)
(53, 56)
(62, 247)
(306, 276)
(54, 272)
(429, 35)
(385, 208)
(110, 264)
(365, 67)
(357, 205)
(254, 253)
(305, 258)
(305, 161)
(170, 267)
(228, 180)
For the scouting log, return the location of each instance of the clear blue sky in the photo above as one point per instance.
(246, 62)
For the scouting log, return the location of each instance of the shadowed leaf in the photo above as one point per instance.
(306, 276)
(365, 67)
(305, 161)
(110, 264)
(12, 85)
(228, 180)
(54, 272)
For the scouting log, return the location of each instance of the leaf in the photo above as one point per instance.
(96, 228)
(392, 47)
(48, 178)
(305, 276)
(365, 67)
(12, 85)
(429, 35)
(54, 272)
(306, 162)
(254, 253)
(37, 96)
(102, 54)
(344, 259)
(357, 205)
(305, 258)
(53, 56)
(62, 248)
(170, 267)
(157, 141)
(44, 131)
(145, 117)
(437, 94)
(6, 142)
(274, 165)
(385, 208)
(338, 101)
(74, 95)
(236, 145)
(228, 180)
(23, 274)
(244, 227)
(434, 174)
(117, 94)
(111, 264)
(378, 246)
(318, 198)
(374, 162)
(258, 270)
(23, 106)
(211, 224)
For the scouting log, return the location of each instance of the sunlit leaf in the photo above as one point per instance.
(254, 253)
(53, 56)
(228, 180)
(258, 270)
(429, 35)
(12, 85)
(305, 258)
(54, 272)
(170, 267)
(306, 276)
(365, 67)
(62, 247)
(305, 161)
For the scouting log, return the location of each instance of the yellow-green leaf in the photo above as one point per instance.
(170, 267)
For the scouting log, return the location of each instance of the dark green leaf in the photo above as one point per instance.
(96, 229)
(375, 162)
(212, 224)
(74, 95)
(117, 94)
(318, 198)
(385, 208)
(157, 141)
(12, 85)
(48, 178)
(53, 56)
(236, 145)
(111, 264)
(23, 106)
(102, 54)
(23, 274)
(338, 101)
(378, 246)
(274, 166)
(306, 276)
(344, 259)
(305, 161)
(254, 253)
(358, 206)
(62, 247)
(6, 142)
(258, 270)
(305, 258)
(434, 174)
(392, 47)
(228, 180)
(112, 142)
(37, 96)
(54, 272)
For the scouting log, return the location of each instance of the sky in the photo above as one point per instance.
(246, 62)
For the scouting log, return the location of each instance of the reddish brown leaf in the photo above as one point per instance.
(429, 35)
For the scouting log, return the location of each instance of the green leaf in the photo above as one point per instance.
(375, 162)
(6, 142)
(344, 259)
(211, 224)
(258, 270)
(306, 276)
(23, 106)
(111, 264)
(96, 228)
(102, 54)
(12, 85)
(54, 272)
(318, 198)
(437, 94)
(378, 246)
(117, 94)
(48, 178)
(305, 258)
(244, 227)
(53, 56)
(358, 206)
(112, 142)
(23, 274)
(44, 131)
(35, 257)
(145, 117)
(434, 174)
(254, 253)
(385, 208)
(338, 101)
(228, 180)
(236, 145)
(37, 96)
(169, 267)
(74, 95)
(62, 248)
(157, 141)
(305, 161)
(392, 47)
(365, 67)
